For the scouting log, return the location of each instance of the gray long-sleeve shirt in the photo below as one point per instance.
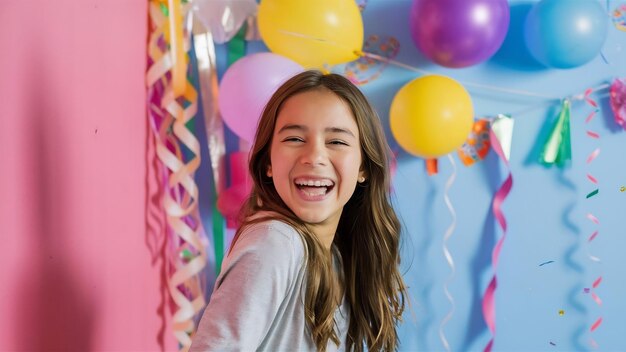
(258, 299)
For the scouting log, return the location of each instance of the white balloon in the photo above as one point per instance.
(223, 18)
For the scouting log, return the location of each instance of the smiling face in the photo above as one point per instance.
(315, 158)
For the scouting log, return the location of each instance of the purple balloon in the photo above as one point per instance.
(248, 85)
(459, 33)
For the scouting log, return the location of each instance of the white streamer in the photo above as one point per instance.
(447, 254)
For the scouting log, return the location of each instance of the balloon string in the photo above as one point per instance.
(386, 60)
(489, 310)
(592, 156)
(473, 84)
(447, 254)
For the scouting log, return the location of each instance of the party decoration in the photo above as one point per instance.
(247, 86)
(557, 149)
(432, 166)
(456, 33)
(500, 136)
(618, 16)
(172, 105)
(366, 68)
(214, 127)
(618, 101)
(594, 154)
(565, 33)
(431, 116)
(362, 4)
(233, 198)
(223, 18)
(477, 144)
(448, 255)
(312, 33)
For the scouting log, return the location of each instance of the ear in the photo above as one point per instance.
(269, 171)
(361, 178)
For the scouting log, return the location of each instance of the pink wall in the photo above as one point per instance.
(77, 269)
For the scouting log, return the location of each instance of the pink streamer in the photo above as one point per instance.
(590, 216)
(489, 310)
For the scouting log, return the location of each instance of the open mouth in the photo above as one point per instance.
(314, 188)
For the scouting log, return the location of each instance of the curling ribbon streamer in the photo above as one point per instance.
(594, 154)
(500, 136)
(173, 103)
(557, 149)
(207, 71)
(447, 254)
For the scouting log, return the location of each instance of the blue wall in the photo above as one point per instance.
(545, 210)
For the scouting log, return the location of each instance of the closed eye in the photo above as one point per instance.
(337, 142)
(293, 139)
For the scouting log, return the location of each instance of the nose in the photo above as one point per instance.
(314, 153)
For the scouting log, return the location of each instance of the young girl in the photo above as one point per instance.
(314, 265)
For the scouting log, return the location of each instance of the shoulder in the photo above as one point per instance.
(273, 241)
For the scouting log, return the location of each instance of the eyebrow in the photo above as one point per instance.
(292, 127)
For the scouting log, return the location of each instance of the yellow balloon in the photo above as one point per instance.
(312, 32)
(431, 116)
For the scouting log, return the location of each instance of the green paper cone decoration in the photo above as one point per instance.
(558, 148)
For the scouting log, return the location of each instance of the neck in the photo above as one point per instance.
(325, 233)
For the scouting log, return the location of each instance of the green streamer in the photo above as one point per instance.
(218, 233)
(164, 9)
(237, 45)
(592, 193)
(558, 148)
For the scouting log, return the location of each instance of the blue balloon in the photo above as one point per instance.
(565, 33)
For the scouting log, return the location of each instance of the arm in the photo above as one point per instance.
(254, 281)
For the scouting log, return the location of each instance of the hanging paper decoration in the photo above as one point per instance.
(432, 166)
(367, 68)
(476, 147)
(500, 136)
(590, 216)
(618, 101)
(618, 15)
(447, 254)
(557, 149)
(172, 105)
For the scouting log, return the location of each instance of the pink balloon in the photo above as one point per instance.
(248, 85)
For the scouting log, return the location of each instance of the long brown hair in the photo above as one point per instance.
(367, 235)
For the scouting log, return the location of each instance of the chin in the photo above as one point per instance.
(312, 217)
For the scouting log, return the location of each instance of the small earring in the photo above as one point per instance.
(361, 179)
(269, 173)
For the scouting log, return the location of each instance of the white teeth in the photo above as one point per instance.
(314, 183)
(316, 192)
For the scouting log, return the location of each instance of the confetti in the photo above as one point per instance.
(548, 262)
(593, 193)
(586, 290)
(552, 343)
(561, 312)
(618, 16)
(366, 69)
(622, 189)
